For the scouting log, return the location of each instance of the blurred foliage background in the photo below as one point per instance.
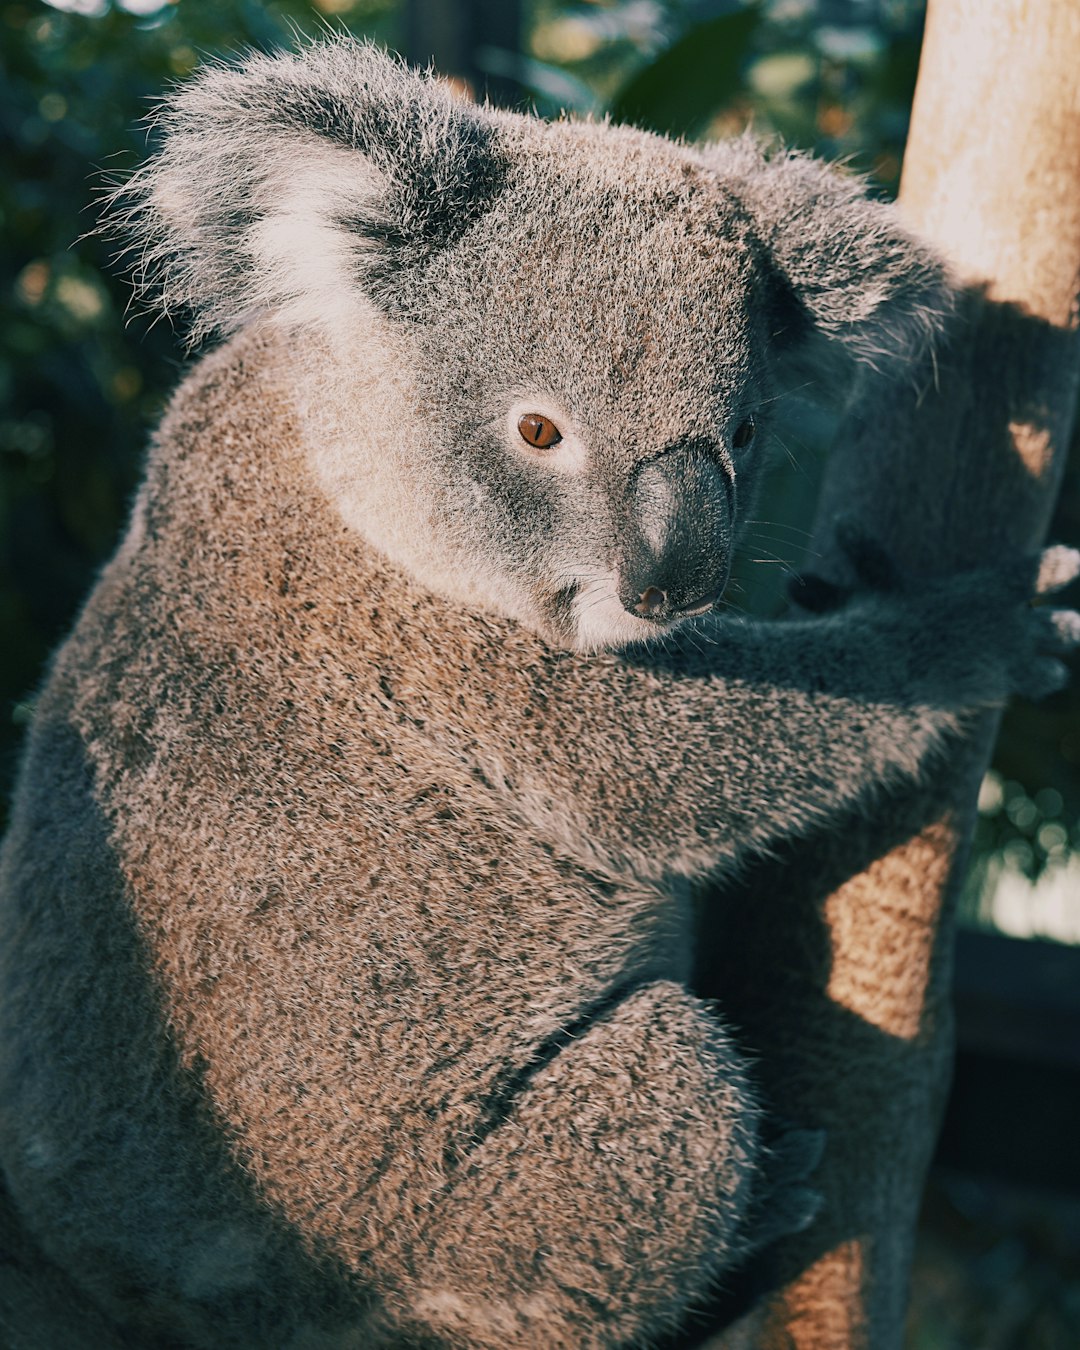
(82, 383)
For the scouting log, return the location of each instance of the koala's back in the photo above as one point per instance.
(292, 932)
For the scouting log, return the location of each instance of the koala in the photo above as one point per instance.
(344, 933)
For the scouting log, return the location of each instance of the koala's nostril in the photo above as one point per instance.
(652, 599)
(654, 603)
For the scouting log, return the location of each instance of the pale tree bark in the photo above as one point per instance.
(835, 960)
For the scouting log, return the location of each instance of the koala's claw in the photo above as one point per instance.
(1065, 625)
(1059, 636)
(992, 609)
(1045, 677)
(1058, 567)
(783, 1203)
(1058, 630)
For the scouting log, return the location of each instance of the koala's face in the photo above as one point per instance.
(592, 371)
(578, 321)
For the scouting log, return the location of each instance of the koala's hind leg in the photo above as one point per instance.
(607, 1199)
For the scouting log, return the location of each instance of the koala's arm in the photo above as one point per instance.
(747, 731)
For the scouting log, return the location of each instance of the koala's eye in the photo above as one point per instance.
(744, 433)
(540, 432)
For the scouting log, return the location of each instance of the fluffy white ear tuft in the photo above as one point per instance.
(289, 183)
(287, 248)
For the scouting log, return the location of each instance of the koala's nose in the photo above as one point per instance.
(677, 548)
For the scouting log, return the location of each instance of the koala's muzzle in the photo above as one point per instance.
(677, 546)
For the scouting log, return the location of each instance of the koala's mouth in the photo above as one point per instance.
(590, 617)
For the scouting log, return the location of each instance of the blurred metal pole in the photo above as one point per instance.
(453, 34)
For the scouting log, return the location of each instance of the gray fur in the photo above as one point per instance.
(344, 946)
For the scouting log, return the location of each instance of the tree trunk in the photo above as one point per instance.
(834, 961)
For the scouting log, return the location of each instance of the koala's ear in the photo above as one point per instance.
(845, 267)
(297, 182)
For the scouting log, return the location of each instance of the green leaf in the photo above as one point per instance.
(679, 91)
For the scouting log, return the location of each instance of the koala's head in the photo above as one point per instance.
(545, 355)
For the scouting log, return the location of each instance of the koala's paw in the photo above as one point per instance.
(971, 639)
(783, 1203)
(1054, 633)
(1000, 636)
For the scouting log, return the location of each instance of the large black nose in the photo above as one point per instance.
(676, 550)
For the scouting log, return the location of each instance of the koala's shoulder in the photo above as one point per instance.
(240, 391)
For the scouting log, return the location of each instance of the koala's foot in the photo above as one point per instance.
(610, 1196)
(994, 634)
(1038, 636)
(783, 1203)
(1056, 568)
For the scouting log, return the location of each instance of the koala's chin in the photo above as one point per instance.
(601, 623)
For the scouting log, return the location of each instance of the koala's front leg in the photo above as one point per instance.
(680, 759)
(605, 1201)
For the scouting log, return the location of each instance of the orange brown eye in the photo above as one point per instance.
(744, 433)
(540, 432)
